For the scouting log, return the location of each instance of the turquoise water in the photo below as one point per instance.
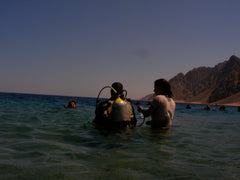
(39, 139)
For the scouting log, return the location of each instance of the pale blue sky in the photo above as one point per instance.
(75, 47)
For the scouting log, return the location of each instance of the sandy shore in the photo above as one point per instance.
(213, 104)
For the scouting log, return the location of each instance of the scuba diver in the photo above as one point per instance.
(117, 111)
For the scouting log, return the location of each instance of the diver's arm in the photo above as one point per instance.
(146, 112)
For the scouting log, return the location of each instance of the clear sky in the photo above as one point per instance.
(75, 47)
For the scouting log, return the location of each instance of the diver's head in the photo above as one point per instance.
(119, 88)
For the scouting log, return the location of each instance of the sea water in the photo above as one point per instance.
(40, 139)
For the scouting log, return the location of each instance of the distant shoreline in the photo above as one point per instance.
(177, 101)
(212, 104)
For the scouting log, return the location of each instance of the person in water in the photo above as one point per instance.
(222, 108)
(162, 107)
(109, 113)
(71, 104)
(188, 106)
(207, 107)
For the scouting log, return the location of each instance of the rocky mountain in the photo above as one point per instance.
(209, 84)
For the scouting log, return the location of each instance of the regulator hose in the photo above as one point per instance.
(97, 101)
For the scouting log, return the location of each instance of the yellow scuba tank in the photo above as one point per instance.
(120, 111)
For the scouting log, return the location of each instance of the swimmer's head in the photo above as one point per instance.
(71, 104)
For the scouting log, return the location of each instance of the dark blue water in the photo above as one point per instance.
(40, 139)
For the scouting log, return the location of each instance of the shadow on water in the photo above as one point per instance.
(135, 153)
(137, 137)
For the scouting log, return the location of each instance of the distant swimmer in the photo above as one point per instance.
(71, 104)
(162, 108)
(207, 107)
(188, 106)
(222, 108)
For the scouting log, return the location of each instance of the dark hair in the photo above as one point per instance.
(165, 87)
(70, 104)
(119, 88)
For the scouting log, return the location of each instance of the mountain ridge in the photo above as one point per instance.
(208, 85)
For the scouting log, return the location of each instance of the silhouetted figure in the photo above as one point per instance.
(238, 108)
(207, 107)
(222, 108)
(188, 106)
